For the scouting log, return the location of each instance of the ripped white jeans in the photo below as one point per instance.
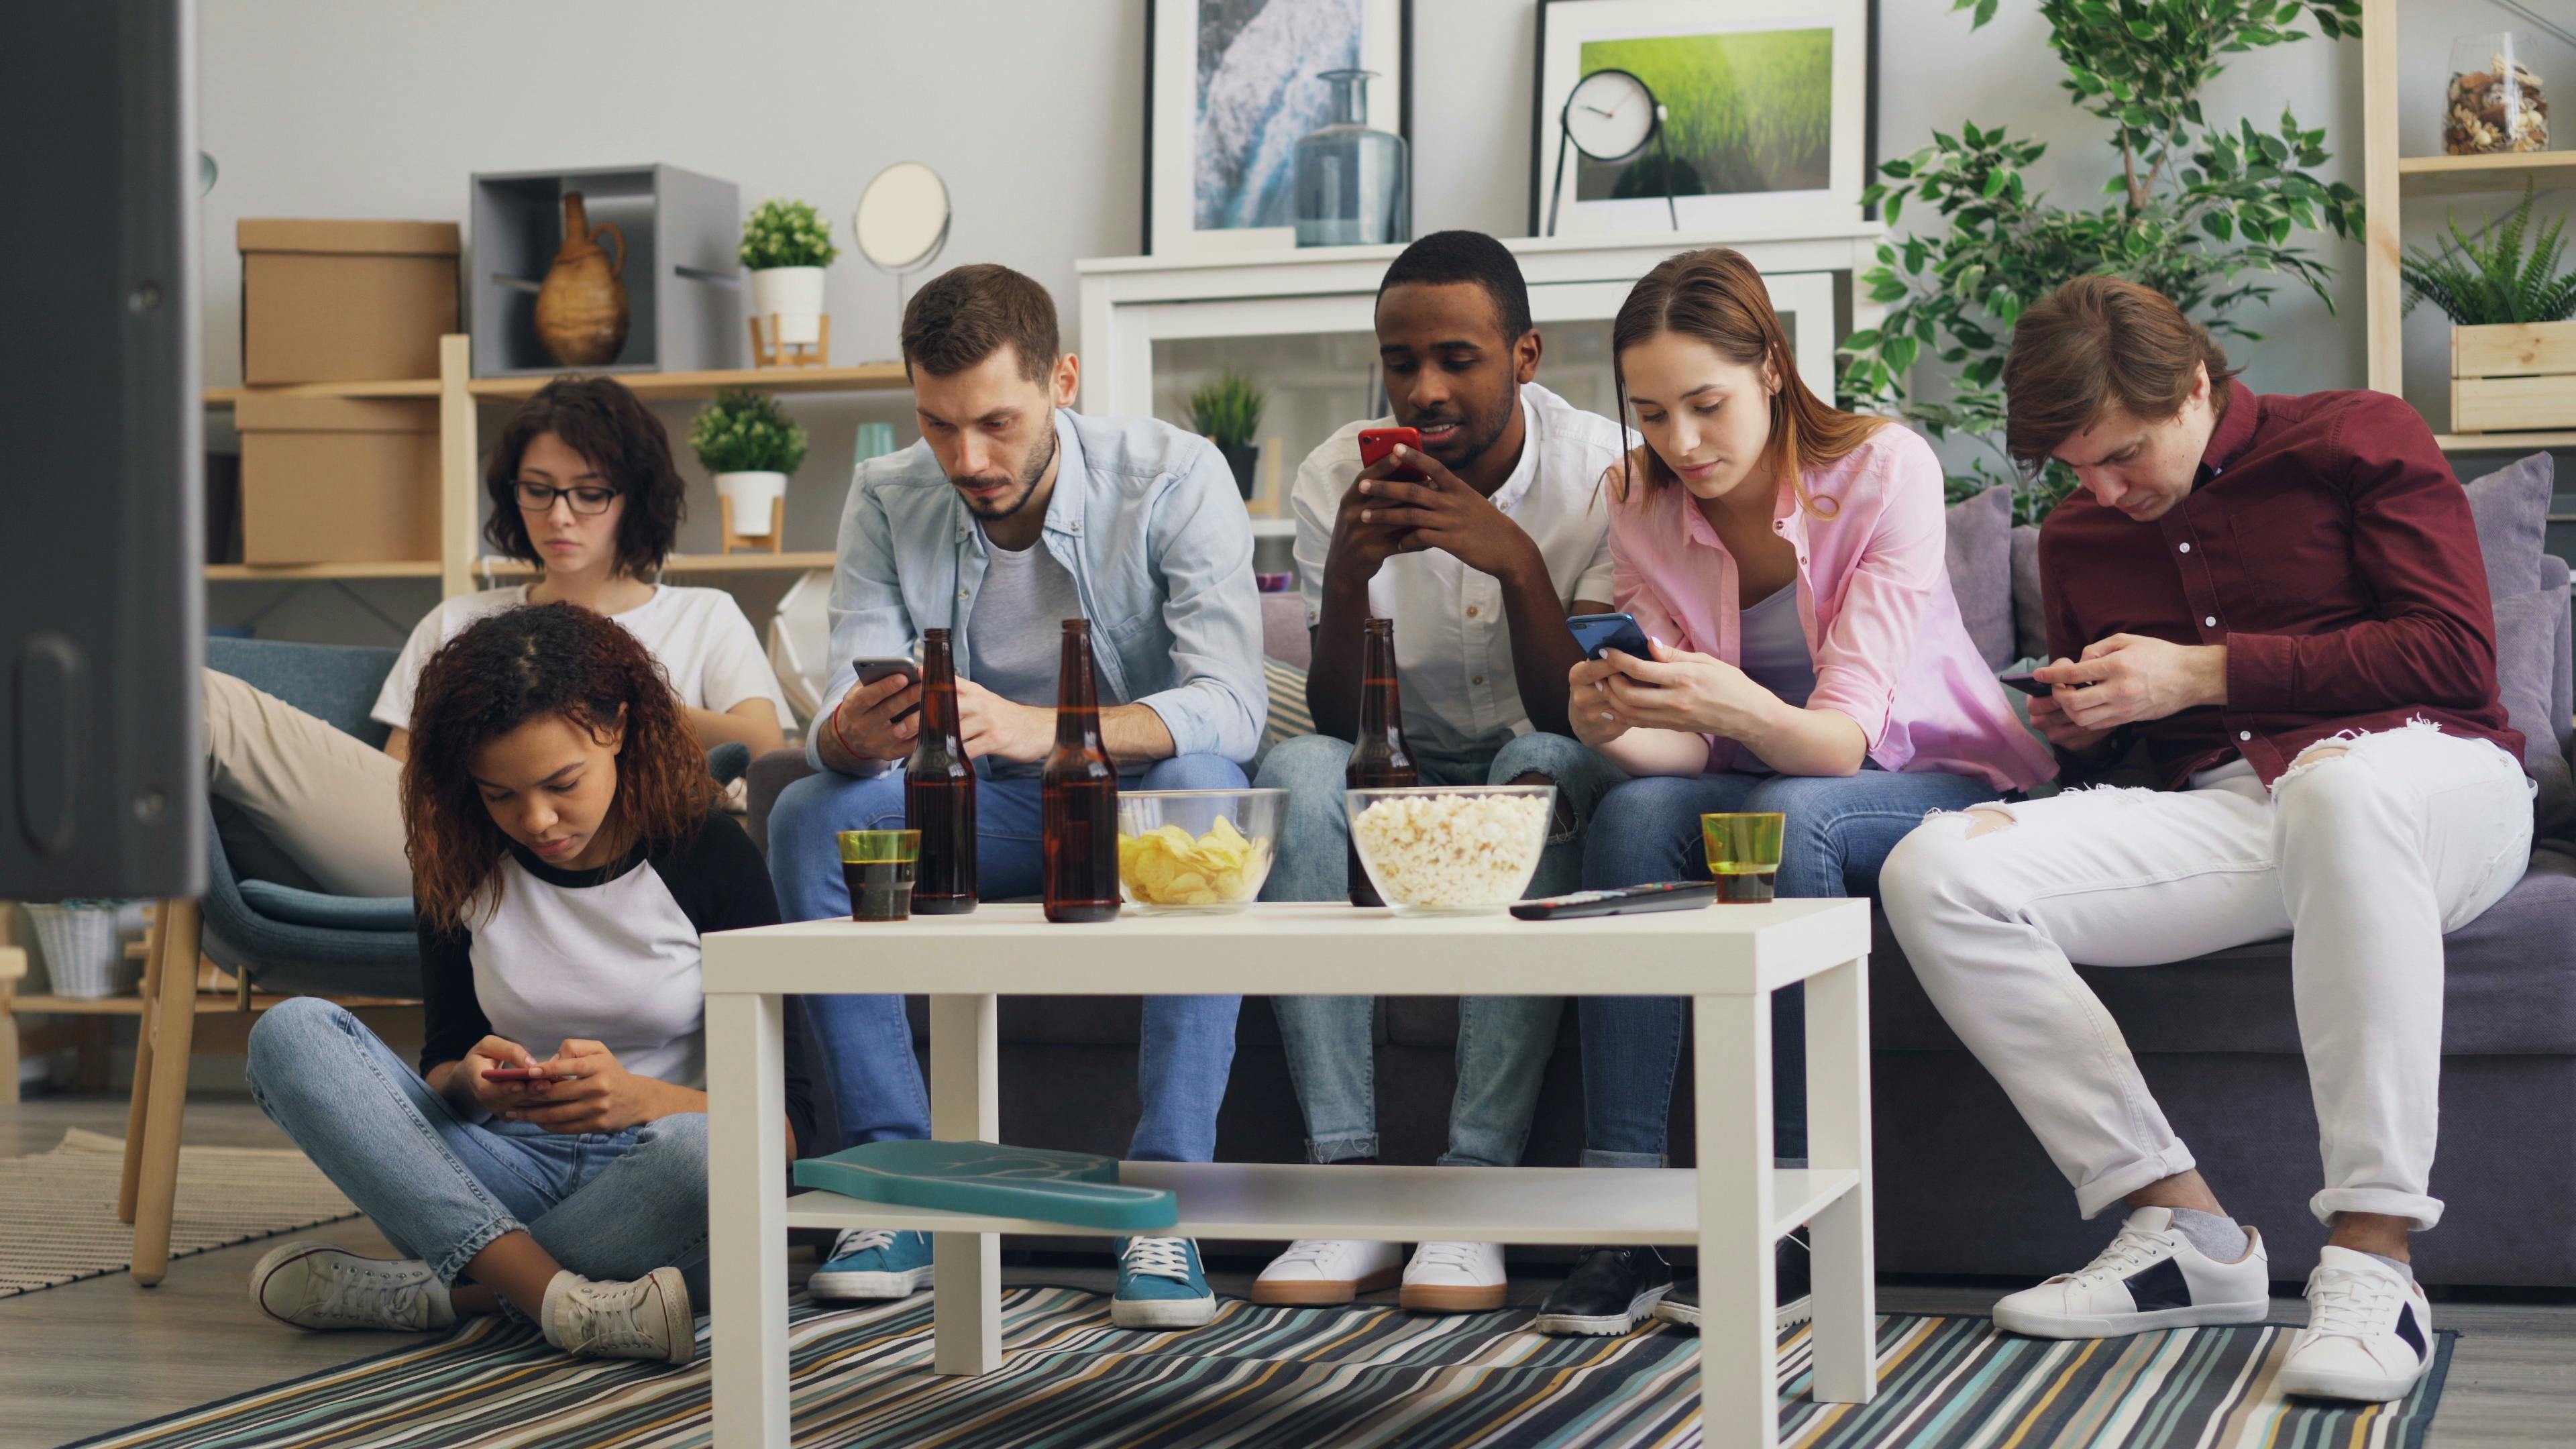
(2365, 858)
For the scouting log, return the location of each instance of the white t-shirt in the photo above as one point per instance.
(699, 635)
(1453, 645)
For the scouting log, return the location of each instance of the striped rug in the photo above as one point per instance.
(1290, 1378)
(58, 1218)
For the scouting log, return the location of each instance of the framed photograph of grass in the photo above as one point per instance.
(1767, 108)
(1230, 88)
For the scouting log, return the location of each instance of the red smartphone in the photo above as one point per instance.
(1376, 443)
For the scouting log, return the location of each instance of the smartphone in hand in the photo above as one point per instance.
(1597, 632)
(525, 1074)
(2027, 684)
(1376, 443)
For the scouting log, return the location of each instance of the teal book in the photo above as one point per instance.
(1074, 1188)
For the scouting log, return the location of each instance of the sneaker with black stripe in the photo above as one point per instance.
(1792, 1295)
(2369, 1335)
(2150, 1277)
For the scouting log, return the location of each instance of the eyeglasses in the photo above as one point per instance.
(540, 498)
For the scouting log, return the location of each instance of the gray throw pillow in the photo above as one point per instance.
(2528, 627)
(1980, 541)
(2030, 622)
(2512, 509)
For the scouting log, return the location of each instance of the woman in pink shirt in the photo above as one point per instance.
(1787, 561)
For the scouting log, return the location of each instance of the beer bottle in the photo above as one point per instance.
(1379, 759)
(1080, 794)
(939, 790)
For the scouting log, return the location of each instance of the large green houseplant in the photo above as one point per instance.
(2207, 211)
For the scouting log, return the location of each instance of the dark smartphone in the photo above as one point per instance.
(1376, 443)
(2027, 684)
(1679, 895)
(522, 1074)
(872, 670)
(1596, 632)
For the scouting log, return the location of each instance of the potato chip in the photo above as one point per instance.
(1167, 866)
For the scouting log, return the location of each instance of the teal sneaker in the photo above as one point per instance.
(873, 1263)
(1161, 1285)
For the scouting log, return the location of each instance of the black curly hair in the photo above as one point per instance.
(610, 427)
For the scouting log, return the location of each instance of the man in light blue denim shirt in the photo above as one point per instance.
(1013, 514)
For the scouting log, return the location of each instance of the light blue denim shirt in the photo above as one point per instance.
(1147, 520)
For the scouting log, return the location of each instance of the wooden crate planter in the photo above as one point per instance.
(2513, 377)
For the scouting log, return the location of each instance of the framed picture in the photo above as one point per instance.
(1230, 88)
(1767, 114)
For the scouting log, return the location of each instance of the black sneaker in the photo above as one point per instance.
(1609, 1290)
(1789, 1274)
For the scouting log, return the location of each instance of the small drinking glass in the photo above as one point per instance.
(1744, 854)
(879, 865)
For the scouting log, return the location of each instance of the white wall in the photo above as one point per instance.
(1033, 110)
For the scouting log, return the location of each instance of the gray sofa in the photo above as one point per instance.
(1963, 1188)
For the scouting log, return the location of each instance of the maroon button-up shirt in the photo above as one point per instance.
(2328, 545)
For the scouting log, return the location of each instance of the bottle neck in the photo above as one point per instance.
(938, 692)
(1381, 701)
(1077, 703)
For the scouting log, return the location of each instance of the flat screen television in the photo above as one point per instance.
(101, 593)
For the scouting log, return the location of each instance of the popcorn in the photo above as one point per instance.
(1167, 866)
(1452, 851)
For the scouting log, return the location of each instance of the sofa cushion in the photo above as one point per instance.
(2528, 631)
(1980, 544)
(2511, 506)
(1289, 716)
(1284, 635)
(2510, 986)
(2030, 622)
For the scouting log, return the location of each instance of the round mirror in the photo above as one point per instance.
(902, 220)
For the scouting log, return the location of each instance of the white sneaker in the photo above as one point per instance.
(1455, 1278)
(1328, 1270)
(2369, 1335)
(2150, 1277)
(321, 1286)
(646, 1318)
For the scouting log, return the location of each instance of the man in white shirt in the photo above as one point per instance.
(1478, 565)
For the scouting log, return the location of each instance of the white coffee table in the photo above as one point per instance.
(1729, 959)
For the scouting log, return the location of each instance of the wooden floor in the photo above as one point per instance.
(100, 1354)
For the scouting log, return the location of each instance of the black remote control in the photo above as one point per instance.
(1680, 895)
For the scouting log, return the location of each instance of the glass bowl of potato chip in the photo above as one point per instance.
(1196, 850)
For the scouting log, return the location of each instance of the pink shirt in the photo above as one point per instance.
(1874, 594)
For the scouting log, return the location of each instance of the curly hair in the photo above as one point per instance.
(599, 418)
(509, 668)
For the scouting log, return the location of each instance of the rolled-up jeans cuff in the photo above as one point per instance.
(450, 1267)
(2424, 1213)
(1340, 1149)
(1593, 1157)
(2106, 1191)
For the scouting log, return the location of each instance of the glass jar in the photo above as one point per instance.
(1352, 180)
(2494, 100)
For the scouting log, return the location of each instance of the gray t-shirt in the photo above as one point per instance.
(1016, 633)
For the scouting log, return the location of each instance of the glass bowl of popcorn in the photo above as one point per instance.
(1439, 850)
(1196, 850)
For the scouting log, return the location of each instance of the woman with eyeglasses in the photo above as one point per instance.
(582, 485)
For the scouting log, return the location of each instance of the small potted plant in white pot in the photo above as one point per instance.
(787, 244)
(750, 444)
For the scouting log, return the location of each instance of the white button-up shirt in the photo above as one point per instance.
(1453, 648)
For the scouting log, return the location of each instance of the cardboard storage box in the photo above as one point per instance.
(338, 480)
(345, 301)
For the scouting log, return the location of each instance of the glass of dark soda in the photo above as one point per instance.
(879, 866)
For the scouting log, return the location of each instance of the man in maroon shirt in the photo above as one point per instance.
(2282, 599)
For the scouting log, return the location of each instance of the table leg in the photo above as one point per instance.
(966, 1106)
(1846, 1279)
(1738, 1340)
(747, 1199)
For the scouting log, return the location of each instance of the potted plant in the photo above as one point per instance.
(787, 244)
(2513, 353)
(1228, 412)
(748, 442)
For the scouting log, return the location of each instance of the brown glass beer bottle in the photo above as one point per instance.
(1079, 791)
(939, 790)
(1379, 759)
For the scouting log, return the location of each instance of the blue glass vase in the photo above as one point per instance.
(1353, 182)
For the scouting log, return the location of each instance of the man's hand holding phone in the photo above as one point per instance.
(1442, 512)
(877, 720)
(1359, 549)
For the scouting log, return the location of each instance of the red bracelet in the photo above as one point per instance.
(847, 748)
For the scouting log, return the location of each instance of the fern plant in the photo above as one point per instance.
(1229, 409)
(2493, 276)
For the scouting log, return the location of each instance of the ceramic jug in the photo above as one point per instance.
(581, 310)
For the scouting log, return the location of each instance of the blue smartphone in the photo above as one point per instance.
(1596, 632)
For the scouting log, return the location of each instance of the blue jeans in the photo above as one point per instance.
(1187, 1049)
(612, 1205)
(1840, 829)
(1503, 1041)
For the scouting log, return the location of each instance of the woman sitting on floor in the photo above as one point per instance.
(568, 857)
